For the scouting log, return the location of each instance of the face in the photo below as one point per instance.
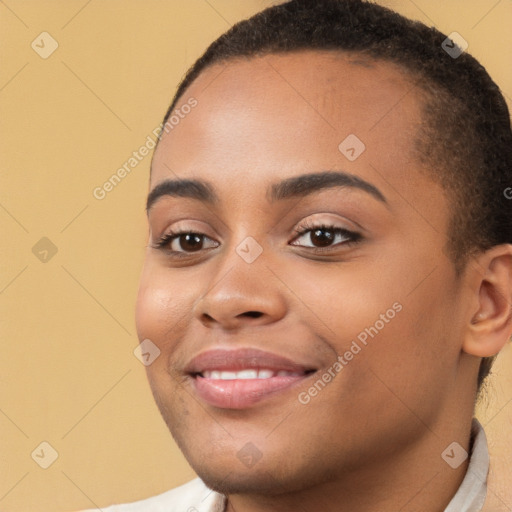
(309, 319)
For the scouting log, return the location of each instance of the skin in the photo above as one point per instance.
(372, 438)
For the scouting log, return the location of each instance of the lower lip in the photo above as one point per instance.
(241, 393)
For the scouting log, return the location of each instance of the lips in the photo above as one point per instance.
(242, 359)
(240, 378)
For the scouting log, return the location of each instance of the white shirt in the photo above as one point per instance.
(194, 496)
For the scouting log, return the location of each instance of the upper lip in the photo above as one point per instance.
(242, 359)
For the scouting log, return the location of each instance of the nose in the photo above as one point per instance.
(242, 294)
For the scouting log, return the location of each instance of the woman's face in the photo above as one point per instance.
(367, 310)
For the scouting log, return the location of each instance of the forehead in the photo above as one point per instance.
(278, 115)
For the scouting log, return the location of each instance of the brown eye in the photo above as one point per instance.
(184, 242)
(325, 236)
(190, 242)
(322, 237)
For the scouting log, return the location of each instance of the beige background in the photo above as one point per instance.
(68, 375)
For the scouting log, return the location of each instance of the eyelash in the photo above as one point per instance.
(301, 230)
(168, 238)
(306, 227)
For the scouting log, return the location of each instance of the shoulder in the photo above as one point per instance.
(193, 496)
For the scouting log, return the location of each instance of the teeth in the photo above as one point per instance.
(247, 374)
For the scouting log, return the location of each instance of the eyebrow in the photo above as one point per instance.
(296, 186)
(190, 188)
(305, 184)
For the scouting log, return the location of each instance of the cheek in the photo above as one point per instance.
(384, 322)
(415, 356)
(338, 301)
(150, 311)
(163, 307)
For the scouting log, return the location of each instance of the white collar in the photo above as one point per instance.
(470, 497)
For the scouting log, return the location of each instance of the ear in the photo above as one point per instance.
(490, 326)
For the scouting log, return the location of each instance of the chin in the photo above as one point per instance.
(249, 480)
(276, 473)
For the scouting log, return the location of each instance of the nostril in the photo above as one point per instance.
(253, 314)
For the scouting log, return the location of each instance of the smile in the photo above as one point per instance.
(248, 374)
(241, 378)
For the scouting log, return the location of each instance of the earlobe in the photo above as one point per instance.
(490, 326)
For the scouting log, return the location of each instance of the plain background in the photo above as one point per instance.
(68, 375)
